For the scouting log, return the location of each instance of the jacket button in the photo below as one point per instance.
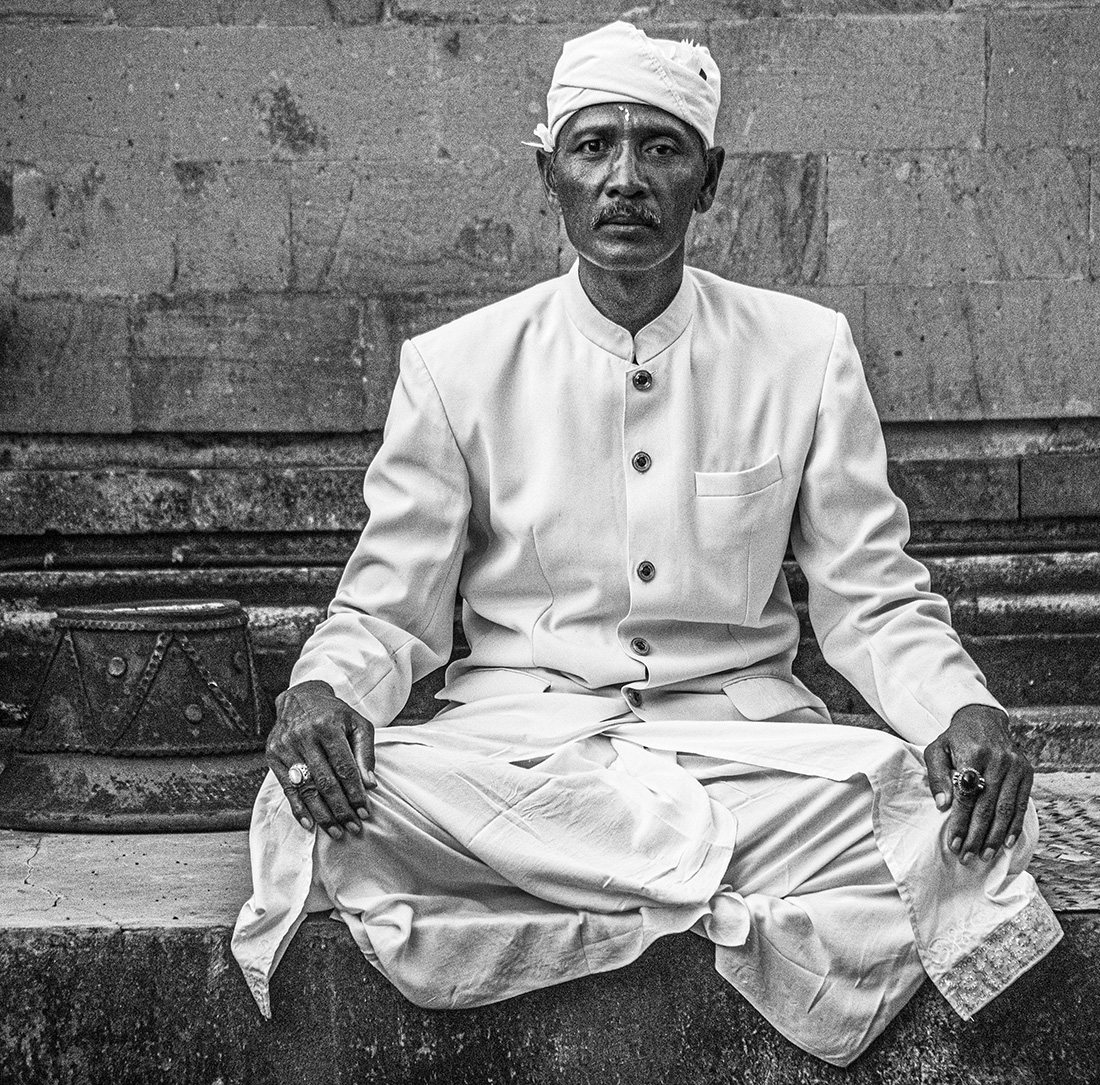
(633, 697)
(646, 570)
(641, 461)
(640, 646)
(643, 380)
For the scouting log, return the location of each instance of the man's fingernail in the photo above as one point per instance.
(966, 858)
(353, 827)
(307, 824)
(363, 812)
(371, 781)
(941, 799)
(334, 832)
(1010, 840)
(956, 843)
(988, 854)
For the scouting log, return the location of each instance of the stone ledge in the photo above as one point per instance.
(152, 1005)
(134, 982)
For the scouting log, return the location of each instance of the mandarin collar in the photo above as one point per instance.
(659, 334)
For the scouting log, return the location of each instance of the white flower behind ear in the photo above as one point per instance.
(545, 139)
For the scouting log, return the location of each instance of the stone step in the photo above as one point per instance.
(1030, 620)
(115, 968)
(140, 1005)
(131, 488)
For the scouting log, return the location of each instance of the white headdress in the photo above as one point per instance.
(620, 63)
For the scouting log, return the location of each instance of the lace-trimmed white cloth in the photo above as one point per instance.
(517, 843)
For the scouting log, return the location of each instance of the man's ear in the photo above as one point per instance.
(546, 170)
(716, 156)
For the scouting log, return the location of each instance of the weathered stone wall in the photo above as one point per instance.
(219, 218)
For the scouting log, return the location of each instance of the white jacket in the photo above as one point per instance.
(510, 473)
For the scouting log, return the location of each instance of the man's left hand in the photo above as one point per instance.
(978, 738)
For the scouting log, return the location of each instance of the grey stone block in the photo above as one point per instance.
(95, 230)
(132, 225)
(813, 85)
(302, 94)
(446, 227)
(984, 350)
(965, 490)
(82, 95)
(1044, 77)
(244, 12)
(65, 367)
(767, 225)
(152, 500)
(271, 363)
(230, 226)
(1060, 485)
(957, 216)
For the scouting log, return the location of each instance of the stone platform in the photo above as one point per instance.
(115, 967)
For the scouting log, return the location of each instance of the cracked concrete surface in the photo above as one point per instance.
(122, 882)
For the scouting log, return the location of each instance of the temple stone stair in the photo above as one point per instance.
(114, 950)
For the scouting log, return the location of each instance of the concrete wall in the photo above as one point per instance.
(218, 219)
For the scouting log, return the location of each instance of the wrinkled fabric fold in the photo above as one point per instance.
(501, 858)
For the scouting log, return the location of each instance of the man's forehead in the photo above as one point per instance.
(619, 115)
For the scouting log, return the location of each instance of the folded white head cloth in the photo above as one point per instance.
(620, 63)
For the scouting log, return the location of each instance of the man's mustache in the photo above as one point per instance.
(625, 213)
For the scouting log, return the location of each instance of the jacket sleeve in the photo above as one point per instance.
(391, 620)
(871, 606)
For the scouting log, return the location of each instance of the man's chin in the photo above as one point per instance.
(631, 255)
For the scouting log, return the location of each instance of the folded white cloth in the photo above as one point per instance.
(516, 844)
(620, 63)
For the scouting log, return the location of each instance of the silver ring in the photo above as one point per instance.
(299, 774)
(967, 782)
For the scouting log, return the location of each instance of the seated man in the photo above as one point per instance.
(607, 468)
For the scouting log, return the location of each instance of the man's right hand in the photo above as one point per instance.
(313, 727)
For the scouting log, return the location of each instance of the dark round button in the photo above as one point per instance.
(643, 380)
(193, 712)
(646, 570)
(116, 666)
(640, 646)
(641, 461)
(633, 697)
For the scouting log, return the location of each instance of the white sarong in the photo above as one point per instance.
(511, 848)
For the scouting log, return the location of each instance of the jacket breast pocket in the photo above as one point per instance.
(738, 483)
(740, 518)
(764, 697)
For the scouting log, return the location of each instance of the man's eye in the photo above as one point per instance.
(591, 146)
(662, 149)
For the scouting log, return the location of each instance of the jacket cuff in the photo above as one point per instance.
(324, 670)
(950, 699)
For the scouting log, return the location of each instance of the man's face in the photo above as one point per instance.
(627, 179)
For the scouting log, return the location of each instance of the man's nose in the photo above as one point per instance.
(627, 178)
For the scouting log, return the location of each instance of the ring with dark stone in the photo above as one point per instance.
(967, 782)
